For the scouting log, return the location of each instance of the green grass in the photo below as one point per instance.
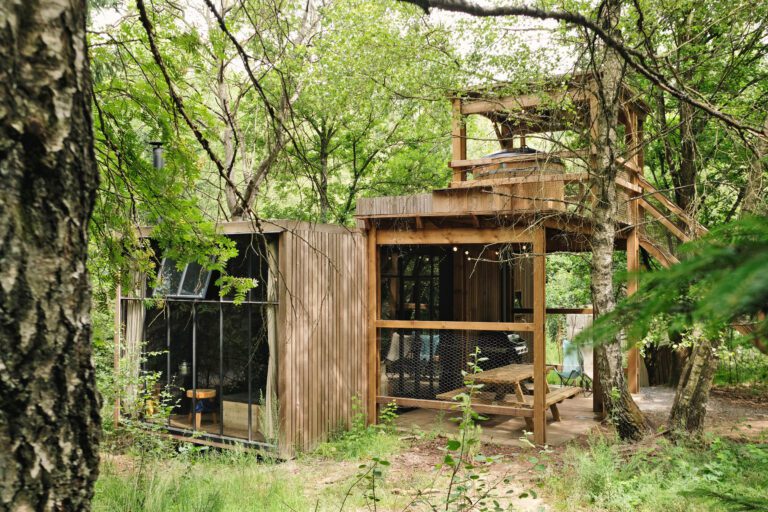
(362, 441)
(234, 482)
(359, 445)
(722, 475)
(210, 484)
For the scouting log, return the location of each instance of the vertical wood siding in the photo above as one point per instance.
(322, 355)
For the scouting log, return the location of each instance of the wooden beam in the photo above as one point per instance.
(648, 207)
(652, 191)
(475, 162)
(533, 178)
(454, 236)
(633, 266)
(569, 311)
(539, 344)
(116, 347)
(665, 259)
(457, 326)
(512, 103)
(373, 315)
(458, 139)
(442, 405)
(559, 311)
(626, 185)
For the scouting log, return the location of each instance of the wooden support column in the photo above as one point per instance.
(116, 343)
(539, 344)
(373, 315)
(633, 248)
(633, 265)
(458, 139)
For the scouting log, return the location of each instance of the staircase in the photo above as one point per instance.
(665, 212)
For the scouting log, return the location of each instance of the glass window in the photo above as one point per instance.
(191, 281)
(169, 278)
(195, 280)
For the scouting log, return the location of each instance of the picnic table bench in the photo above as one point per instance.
(498, 381)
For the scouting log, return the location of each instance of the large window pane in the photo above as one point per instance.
(169, 278)
(235, 396)
(195, 280)
(208, 379)
(180, 356)
(155, 361)
(251, 262)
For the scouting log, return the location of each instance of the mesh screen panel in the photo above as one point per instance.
(428, 364)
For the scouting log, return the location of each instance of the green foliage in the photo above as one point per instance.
(720, 476)
(469, 486)
(740, 363)
(361, 440)
(723, 278)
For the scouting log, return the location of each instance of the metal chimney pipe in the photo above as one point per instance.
(157, 155)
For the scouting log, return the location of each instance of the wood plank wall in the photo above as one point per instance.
(478, 290)
(322, 333)
(394, 205)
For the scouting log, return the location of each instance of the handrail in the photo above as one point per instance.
(461, 164)
(659, 216)
(652, 191)
(521, 180)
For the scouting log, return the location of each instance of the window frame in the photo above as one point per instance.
(179, 289)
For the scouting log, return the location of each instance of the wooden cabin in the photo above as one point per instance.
(394, 310)
(281, 370)
(462, 269)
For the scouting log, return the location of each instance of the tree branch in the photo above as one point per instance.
(633, 58)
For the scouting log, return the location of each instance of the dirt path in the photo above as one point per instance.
(734, 412)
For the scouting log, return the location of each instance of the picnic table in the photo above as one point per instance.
(498, 381)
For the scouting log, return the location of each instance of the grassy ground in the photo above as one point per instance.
(714, 476)
(210, 481)
(726, 471)
(600, 475)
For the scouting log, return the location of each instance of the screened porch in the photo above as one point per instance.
(448, 297)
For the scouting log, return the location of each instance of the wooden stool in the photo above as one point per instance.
(202, 394)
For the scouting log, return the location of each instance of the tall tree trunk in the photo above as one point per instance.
(49, 406)
(690, 405)
(684, 177)
(754, 203)
(607, 69)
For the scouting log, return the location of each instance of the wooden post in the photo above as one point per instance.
(539, 344)
(373, 315)
(633, 248)
(116, 348)
(633, 265)
(458, 139)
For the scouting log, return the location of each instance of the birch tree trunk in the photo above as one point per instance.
(49, 407)
(690, 405)
(608, 73)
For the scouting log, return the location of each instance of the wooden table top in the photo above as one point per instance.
(202, 393)
(510, 374)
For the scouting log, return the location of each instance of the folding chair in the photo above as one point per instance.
(573, 367)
